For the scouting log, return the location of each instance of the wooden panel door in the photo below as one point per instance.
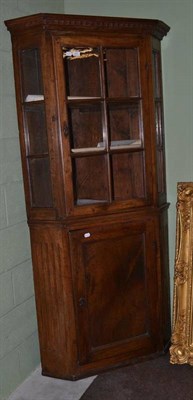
(115, 289)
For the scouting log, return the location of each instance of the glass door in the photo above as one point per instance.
(104, 103)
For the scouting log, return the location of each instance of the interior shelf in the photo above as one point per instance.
(89, 201)
(88, 149)
(83, 98)
(34, 97)
(115, 144)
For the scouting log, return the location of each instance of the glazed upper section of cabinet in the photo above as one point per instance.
(90, 110)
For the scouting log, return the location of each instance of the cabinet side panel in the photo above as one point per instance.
(54, 302)
(159, 121)
(165, 279)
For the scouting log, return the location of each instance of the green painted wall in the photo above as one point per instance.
(19, 352)
(177, 63)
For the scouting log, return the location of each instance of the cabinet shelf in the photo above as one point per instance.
(83, 98)
(132, 99)
(126, 144)
(84, 202)
(115, 145)
(85, 150)
(30, 98)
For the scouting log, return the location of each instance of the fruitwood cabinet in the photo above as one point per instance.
(90, 112)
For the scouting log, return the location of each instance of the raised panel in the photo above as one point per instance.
(113, 283)
(117, 264)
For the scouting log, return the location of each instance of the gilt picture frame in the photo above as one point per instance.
(181, 350)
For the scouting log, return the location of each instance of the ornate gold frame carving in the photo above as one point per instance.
(181, 350)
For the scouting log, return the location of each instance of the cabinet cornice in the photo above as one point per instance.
(85, 23)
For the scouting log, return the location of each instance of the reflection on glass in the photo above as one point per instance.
(90, 180)
(36, 129)
(82, 70)
(31, 75)
(128, 176)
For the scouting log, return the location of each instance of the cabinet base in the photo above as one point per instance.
(92, 371)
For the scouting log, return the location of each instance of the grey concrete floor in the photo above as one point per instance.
(38, 387)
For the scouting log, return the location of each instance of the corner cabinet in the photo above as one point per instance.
(90, 112)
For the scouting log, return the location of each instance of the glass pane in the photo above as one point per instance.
(90, 180)
(125, 124)
(86, 126)
(122, 70)
(160, 171)
(158, 122)
(31, 75)
(157, 74)
(82, 70)
(40, 181)
(36, 129)
(128, 176)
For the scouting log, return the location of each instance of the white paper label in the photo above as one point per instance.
(76, 53)
(87, 234)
